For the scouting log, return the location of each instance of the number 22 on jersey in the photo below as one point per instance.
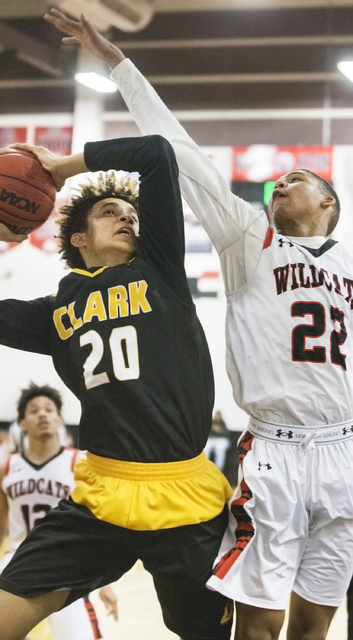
(315, 330)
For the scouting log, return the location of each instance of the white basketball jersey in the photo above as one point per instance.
(32, 490)
(289, 334)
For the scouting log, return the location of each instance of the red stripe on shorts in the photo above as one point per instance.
(93, 619)
(245, 529)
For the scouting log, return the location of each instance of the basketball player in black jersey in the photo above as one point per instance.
(124, 337)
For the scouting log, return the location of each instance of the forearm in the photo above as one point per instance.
(69, 166)
(146, 155)
(203, 186)
(154, 159)
(25, 325)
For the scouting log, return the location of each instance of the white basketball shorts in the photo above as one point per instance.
(292, 516)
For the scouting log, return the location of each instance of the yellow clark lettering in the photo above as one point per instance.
(138, 300)
(63, 333)
(76, 322)
(94, 307)
(118, 304)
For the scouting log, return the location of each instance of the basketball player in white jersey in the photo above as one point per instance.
(290, 359)
(33, 482)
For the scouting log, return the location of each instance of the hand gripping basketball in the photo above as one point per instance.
(27, 191)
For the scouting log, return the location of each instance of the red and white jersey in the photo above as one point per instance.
(32, 490)
(290, 334)
(289, 314)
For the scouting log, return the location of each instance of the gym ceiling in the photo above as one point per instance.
(199, 54)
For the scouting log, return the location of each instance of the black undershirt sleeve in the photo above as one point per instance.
(160, 206)
(26, 325)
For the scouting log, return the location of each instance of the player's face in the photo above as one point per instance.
(296, 199)
(111, 236)
(41, 419)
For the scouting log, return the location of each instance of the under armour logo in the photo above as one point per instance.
(346, 430)
(264, 464)
(281, 433)
(283, 242)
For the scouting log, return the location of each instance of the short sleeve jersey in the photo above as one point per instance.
(126, 340)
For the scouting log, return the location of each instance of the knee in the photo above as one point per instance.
(256, 634)
(254, 630)
(253, 623)
(306, 634)
(312, 635)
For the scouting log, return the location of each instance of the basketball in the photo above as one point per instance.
(27, 191)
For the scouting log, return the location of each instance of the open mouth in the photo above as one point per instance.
(126, 231)
(278, 194)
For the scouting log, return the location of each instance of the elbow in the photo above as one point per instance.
(162, 151)
(160, 144)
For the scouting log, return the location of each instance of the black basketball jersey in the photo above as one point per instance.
(126, 340)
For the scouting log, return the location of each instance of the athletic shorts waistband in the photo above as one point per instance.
(153, 496)
(300, 434)
(147, 471)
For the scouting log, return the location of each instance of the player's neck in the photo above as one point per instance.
(303, 230)
(111, 258)
(39, 451)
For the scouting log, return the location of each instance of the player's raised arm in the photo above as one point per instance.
(224, 216)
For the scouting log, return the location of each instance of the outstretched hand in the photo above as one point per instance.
(8, 236)
(81, 32)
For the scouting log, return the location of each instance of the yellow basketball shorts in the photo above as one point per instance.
(149, 497)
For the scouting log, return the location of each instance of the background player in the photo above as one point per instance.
(118, 331)
(218, 441)
(32, 483)
(289, 357)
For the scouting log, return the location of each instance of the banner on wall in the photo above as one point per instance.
(263, 162)
(56, 139)
(10, 135)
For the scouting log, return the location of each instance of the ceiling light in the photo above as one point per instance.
(96, 82)
(346, 67)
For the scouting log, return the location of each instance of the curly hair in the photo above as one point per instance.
(74, 216)
(34, 391)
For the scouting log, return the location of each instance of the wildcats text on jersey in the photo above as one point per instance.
(39, 485)
(298, 275)
(122, 302)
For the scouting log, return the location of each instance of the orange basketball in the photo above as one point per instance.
(27, 191)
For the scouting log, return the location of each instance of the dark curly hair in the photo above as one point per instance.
(34, 391)
(75, 214)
